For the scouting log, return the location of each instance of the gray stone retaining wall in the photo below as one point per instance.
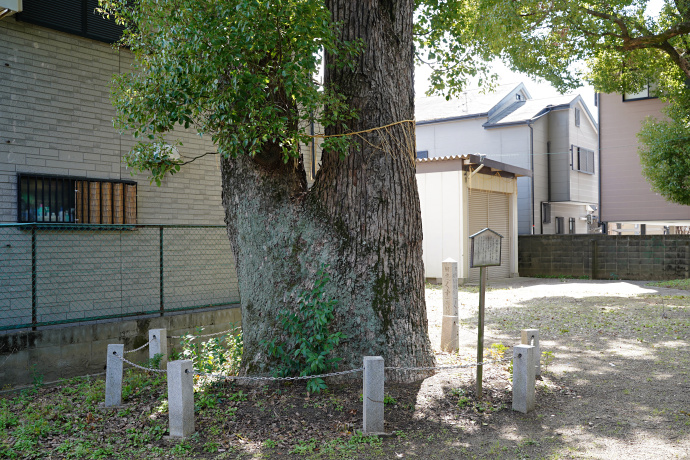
(632, 257)
(80, 349)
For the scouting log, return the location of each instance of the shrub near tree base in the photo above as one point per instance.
(309, 342)
(217, 355)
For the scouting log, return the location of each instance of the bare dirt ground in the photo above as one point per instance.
(615, 384)
(618, 385)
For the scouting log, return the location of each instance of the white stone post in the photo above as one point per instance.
(373, 394)
(181, 398)
(113, 375)
(523, 378)
(158, 344)
(450, 340)
(531, 337)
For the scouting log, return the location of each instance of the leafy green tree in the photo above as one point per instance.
(242, 72)
(617, 46)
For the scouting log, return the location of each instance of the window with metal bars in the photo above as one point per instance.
(61, 199)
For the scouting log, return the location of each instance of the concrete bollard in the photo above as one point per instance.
(373, 394)
(531, 337)
(158, 344)
(523, 378)
(181, 398)
(450, 334)
(113, 375)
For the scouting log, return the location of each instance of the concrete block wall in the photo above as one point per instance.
(632, 257)
(81, 349)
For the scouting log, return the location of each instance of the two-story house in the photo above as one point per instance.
(555, 138)
(628, 204)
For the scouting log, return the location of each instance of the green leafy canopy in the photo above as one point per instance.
(616, 45)
(241, 71)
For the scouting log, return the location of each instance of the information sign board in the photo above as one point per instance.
(485, 248)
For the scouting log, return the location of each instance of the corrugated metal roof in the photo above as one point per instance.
(477, 159)
(446, 158)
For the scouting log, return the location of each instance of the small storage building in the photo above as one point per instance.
(460, 195)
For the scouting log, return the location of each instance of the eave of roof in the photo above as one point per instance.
(474, 161)
(447, 119)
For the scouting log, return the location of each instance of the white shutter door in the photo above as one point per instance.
(492, 210)
(499, 221)
(479, 219)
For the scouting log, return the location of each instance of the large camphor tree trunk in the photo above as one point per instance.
(361, 217)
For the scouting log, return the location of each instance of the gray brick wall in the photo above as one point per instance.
(632, 257)
(56, 118)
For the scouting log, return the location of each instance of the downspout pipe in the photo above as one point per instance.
(603, 225)
(531, 167)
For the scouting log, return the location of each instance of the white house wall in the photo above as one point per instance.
(440, 196)
(507, 145)
(584, 187)
(441, 139)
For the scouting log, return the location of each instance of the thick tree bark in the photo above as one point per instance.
(362, 215)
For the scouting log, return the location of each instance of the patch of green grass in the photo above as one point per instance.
(388, 399)
(304, 447)
(675, 284)
(463, 401)
(270, 444)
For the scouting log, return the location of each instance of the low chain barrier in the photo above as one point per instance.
(137, 349)
(278, 379)
(446, 367)
(143, 368)
(181, 373)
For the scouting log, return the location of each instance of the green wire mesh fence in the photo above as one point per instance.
(62, 273)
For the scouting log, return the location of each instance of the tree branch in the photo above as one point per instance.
(676, 57)
(196, 158)
(609, 17)
(645, 41)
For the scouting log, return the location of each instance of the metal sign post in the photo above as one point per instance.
(485, 251)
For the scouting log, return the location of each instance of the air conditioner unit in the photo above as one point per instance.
(9, 7)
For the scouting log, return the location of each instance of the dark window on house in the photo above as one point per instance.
(546, 213)
(422, 154)
(560, 228)
(571, 225)
(60, 199)
(584, 160)
(647, 92)
(577, 117)
(77, 17)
